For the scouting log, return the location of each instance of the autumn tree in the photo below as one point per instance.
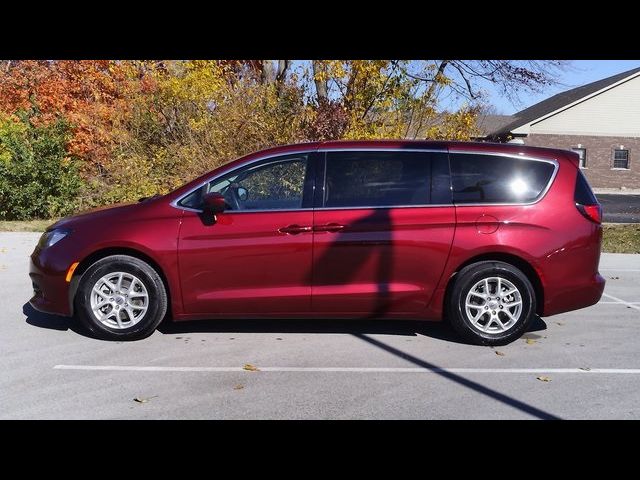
(397, 98)
(86, 93)
(135, 128)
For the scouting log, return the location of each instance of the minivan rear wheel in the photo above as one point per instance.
(121, 298)
(492, 303)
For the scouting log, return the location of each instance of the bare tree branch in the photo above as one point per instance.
(267, 72)
(321, 83)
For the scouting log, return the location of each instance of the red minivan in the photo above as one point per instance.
(483, 235)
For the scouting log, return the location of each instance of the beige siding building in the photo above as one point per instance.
(600, 121)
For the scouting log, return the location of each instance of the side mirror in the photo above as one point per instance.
(214, 203)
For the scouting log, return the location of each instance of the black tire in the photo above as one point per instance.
(157, 306)
(466, 279)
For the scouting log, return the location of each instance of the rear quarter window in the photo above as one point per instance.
(583, 193)
(482, 178)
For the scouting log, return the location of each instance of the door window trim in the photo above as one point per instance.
(308, 188)
(322, 179)
(313, 161)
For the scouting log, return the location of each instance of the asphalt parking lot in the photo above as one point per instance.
(620, 208)
(579, 365)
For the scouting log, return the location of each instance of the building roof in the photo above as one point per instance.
(492, 123)
(557, 102)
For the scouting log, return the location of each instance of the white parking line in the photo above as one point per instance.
(619, 269)
(623, 302)
(616, 303)
(127, 368)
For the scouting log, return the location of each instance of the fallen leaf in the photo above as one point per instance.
(542, 378)
(238, 387)
(614, 278)
(142, 399)
(278, 338)
(586, 369)
(560, 323)
(498, 352)
(250, 368)
(530, 341)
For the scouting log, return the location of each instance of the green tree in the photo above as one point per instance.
(38, 178)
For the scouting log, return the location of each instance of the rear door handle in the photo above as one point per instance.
(294, 229)
(329, 227)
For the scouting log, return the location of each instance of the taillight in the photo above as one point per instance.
(586, 202)
(591, 212)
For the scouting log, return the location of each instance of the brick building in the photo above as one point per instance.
(600, 121)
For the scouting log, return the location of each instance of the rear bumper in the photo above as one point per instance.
(576, 296)
(50, 290)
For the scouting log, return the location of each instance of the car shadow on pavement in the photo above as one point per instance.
(52, 322)
(411, 328)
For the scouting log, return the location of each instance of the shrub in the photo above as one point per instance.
(38, 178)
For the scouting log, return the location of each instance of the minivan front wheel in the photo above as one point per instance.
(492, 303)
(121, 298)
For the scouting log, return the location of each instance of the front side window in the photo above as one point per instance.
(478, 178)
(621, 158)
(386, 179)
(276, 185)
(582, 155)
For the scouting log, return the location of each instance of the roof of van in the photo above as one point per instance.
(509, 148)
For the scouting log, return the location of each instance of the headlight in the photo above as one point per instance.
(52, 237)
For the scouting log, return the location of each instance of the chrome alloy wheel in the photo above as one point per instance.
(493, 305)
(119, 300)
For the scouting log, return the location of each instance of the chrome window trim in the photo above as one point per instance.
(541, 195)
(365, 207)
(175, 202)
(380, 149)
(554, 162)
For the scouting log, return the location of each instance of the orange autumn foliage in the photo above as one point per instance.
(88, 93)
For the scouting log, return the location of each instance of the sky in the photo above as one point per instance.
(578, 73)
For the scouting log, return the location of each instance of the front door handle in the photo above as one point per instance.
(294, 229)
(329, 227)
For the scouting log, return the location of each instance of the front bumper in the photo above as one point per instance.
(50, 289)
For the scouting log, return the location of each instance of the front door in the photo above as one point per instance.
(255, 258)
(382, 232)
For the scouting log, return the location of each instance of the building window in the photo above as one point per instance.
(621, 158)
(582, 154)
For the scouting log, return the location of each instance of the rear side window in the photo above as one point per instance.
(386, 179)
(583, 194)
(480, 178)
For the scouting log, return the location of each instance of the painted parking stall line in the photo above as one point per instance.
(131, 368)
(620, 269)
(623, 302)
(617, 303)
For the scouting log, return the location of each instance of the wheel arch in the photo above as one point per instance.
(106, 252)
(523, 265)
